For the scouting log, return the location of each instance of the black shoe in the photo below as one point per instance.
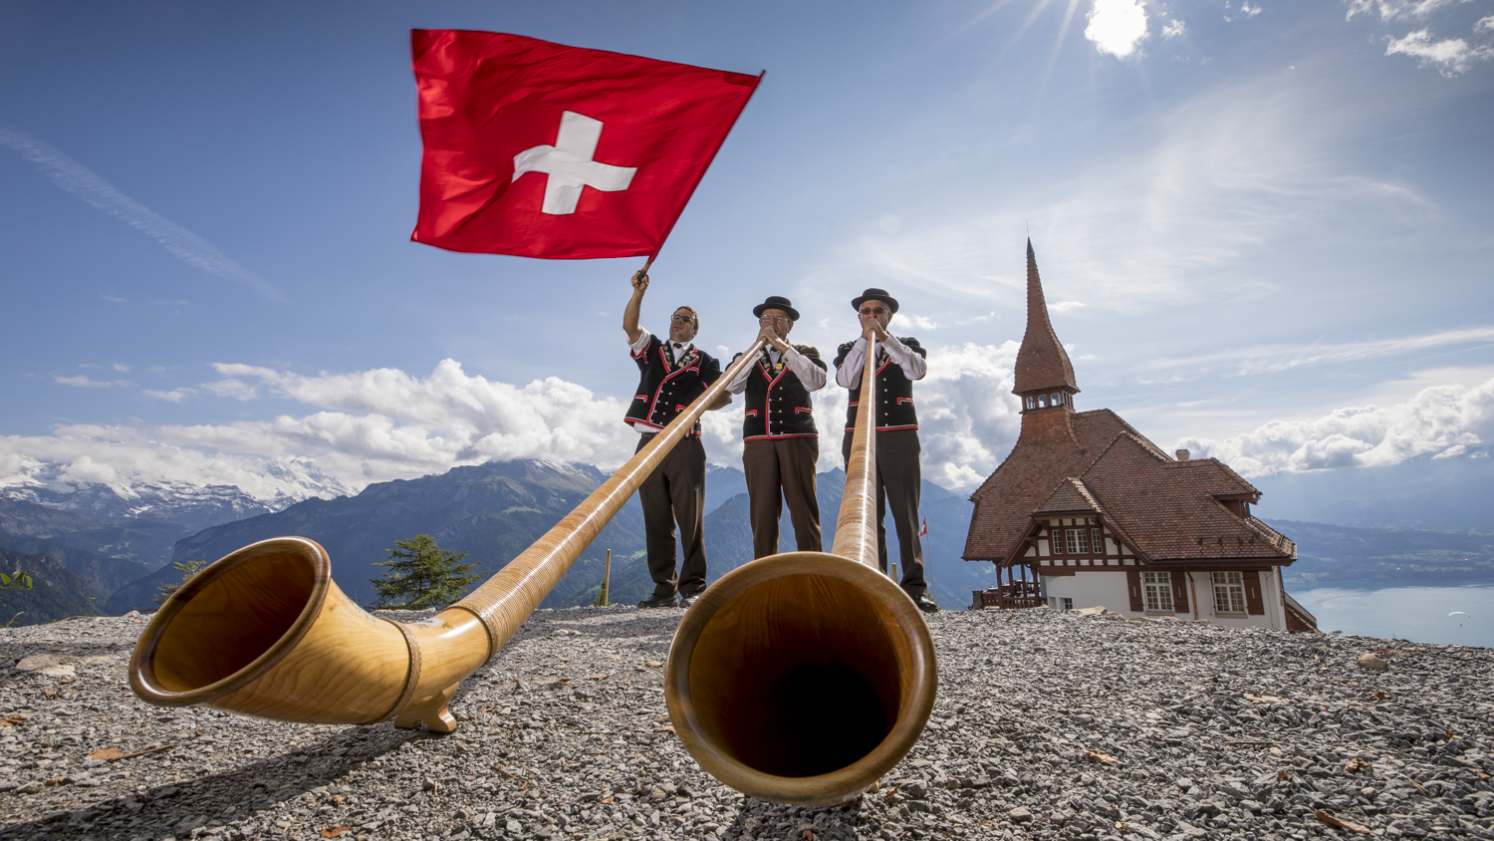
(687, 598)
(657, 600)
(926, 603)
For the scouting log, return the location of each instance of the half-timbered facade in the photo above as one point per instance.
(1086, 511)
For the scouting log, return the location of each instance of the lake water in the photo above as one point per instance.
(1449, 615)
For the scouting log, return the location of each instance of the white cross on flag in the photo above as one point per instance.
(543, 150)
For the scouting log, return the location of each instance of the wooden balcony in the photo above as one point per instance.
(1007, 597)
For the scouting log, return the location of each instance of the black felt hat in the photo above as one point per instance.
(875, 295)
(776, 302)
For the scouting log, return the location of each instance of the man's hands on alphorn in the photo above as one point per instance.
(768, 332)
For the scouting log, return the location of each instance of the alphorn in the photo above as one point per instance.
(803, 677)
(264, 631)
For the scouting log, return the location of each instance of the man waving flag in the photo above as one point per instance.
(541, 150)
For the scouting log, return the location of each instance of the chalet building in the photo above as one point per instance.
(1086, 511)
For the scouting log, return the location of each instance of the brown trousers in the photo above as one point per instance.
(898, 481)
(675, 493)
(783, 466)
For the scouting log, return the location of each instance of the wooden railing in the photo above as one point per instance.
(1004, 599)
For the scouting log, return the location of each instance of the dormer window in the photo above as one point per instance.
(1057, 398)
(1042, 401)
(1031, 402)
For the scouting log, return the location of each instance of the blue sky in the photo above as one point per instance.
(1264, 228)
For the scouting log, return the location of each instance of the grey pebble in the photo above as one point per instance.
(1218, 733)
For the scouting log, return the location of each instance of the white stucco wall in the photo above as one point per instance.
(1107, 588)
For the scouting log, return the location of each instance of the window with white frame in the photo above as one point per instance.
(1079, 541)
(1097, 540)
(1229, 592)
(1156, 591)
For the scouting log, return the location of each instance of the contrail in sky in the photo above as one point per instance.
(87, 185)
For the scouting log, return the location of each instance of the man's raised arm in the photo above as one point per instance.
(635, 303)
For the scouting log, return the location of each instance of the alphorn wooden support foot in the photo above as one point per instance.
(431, 715)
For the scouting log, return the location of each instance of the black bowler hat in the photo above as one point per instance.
(875, 295)
(776, 302)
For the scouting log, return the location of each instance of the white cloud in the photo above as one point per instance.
(363, 427)
(120, 367)
(85, 381)
(914, 321)
(1174, 28)
(1249, 9)
(381, 424)
(1116, 27)
(86, 471)
(1273, 359)
(1449, 56)
(179, 242)
(175, 395)
(1439, 422)
(1066, 306)
(1484, 24)
(967, 416)
(1395, 9)
(1226, 173)
(231, 389)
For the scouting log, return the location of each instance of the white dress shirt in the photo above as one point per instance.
(676, 349)
(810, 374)
(912, 362)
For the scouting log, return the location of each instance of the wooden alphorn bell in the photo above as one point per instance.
(264, 631)
(803, 677)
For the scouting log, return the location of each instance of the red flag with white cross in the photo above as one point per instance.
(537, 149)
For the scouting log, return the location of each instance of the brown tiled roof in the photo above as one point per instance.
(1217, 479)
(1165, 510)
(1274, 537)
(1169, 510)
(1042, 363)
(1041, 459)
(1070, 495)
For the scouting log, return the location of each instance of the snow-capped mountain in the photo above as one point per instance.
(194, 506)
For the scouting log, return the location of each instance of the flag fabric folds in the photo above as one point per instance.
(537, 149)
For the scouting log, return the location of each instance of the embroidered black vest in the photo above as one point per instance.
(778, 404)
(665, 390)
(894, 409)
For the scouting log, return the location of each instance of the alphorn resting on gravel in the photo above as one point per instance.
(799, 678)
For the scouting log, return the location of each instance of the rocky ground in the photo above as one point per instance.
(1047, 725)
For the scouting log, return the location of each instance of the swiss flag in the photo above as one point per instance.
(924, 530)
(542, 150)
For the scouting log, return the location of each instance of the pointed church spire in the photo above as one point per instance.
(1042, 364)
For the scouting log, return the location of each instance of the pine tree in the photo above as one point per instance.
(17, 579)
(421, 575)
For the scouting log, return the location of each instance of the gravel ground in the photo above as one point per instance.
(1048, 725)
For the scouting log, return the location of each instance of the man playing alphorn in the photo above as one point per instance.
(899, 362)
(671, 375)
(780, 442)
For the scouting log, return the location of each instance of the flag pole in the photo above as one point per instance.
(709, 161)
